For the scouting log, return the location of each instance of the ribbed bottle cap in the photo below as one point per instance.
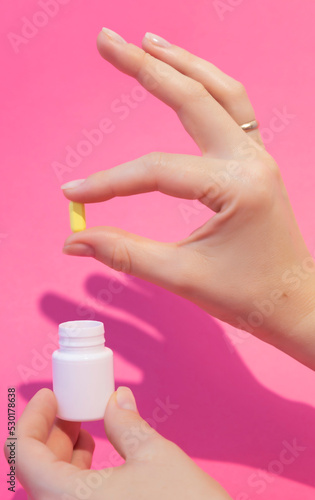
(81, 333)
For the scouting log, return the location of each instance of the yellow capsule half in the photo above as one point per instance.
(77, 216)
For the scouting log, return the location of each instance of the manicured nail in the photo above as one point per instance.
(157, 40)
(113, 36)
(125, 399)
(80, 249)
(72, 184)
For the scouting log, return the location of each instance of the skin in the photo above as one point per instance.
(252, 239)
(248, 257)
(54, 457)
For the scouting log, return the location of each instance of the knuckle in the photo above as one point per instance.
(146, 60)
(264, 183)
(212, 192)
(143, 71)
(196, 89)
(237, 91)
(154, 163)
(140, 440)
(274, 168)
(151, 71)
(153, 159)
(121, 259)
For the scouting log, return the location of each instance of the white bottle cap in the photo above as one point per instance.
(81, 333)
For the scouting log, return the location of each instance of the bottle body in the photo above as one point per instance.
(83, 374)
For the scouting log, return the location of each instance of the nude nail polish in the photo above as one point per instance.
(72, 184)
(157, 40)
(79, 249)
(114, 37)
(125, 399)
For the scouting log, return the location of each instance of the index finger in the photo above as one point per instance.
(206, 121)
(38, 416)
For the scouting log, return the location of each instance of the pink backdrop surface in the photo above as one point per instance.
(240, 403)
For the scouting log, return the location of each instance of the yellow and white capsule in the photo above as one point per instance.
(77, 216)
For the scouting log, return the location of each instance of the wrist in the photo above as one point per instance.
(292, 325)
(300, 340)
(283, 312)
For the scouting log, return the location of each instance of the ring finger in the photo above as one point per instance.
(207, 122)
(230, 93)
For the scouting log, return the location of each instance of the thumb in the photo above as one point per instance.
(130, 434)
(142, 257)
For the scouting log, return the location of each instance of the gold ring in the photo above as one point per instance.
(250, 125)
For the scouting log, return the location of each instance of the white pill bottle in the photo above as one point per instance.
(83, 373)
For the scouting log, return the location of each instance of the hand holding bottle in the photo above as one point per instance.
(54, 457)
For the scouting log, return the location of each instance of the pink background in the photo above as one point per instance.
(238, 399)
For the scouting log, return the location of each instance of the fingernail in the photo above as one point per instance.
(113, 36)
(157, 40)
(72, 184)
(125, 399)
(79, 249)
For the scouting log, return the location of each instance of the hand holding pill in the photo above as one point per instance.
(251, 238)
